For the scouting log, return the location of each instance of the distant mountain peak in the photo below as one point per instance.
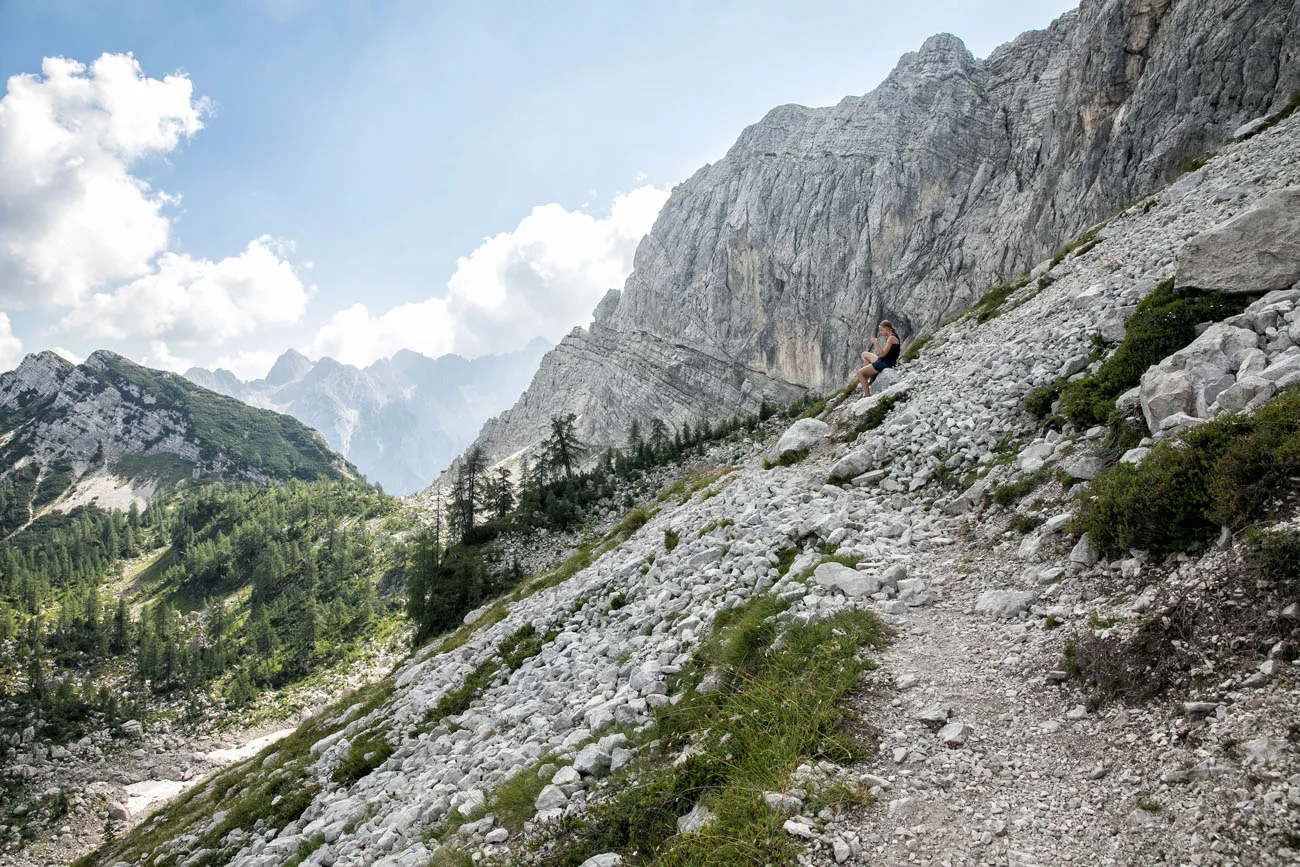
(289, 367)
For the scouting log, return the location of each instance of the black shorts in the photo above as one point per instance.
(880, 364)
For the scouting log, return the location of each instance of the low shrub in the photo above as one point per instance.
(671, 539)
(1274, 554)
(1230, 472)
(1038, 402)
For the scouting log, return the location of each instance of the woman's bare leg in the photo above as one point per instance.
(865, 380)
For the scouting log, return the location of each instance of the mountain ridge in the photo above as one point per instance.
(765, 273)
(401, 419)
(112, 431)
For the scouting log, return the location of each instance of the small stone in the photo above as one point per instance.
(955, 734)
(1077, 712)
(933, 717)
(696, 819)
(841, 850)
(497, 835)
(799, 829)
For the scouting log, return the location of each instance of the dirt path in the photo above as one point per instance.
(1038, 779)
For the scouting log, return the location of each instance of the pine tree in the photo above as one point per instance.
(562, 448)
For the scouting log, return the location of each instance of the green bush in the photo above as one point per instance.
(1230, 471)
(1163, 324)
(1038, 402)
(671, 538)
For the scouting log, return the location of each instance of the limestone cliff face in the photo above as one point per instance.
(766, 272)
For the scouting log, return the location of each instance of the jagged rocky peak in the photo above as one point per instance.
(766, 272)
(41, 374)
(289, 367)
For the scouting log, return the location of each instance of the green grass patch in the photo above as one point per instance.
(788, 459)
(779, 704)
(1012, 493)
(1083, 244)
(521, 645)
(269, 790)
(366, 751)
(1164, 323)
(164, 468)
(916, 347)
(1232, 471)
(990, 303)
(715, 525)
(671, 539)
(875, 417)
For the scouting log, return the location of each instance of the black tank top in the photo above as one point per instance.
(891, 356)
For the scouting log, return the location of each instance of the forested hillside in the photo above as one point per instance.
(214, 595)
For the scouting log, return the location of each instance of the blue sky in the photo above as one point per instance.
(332, 176)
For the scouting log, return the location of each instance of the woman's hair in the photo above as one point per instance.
(885, 323)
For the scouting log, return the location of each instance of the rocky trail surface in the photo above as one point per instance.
(986, 755)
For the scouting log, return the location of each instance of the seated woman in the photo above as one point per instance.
(885, 356)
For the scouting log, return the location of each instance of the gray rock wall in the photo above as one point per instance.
(906, 203)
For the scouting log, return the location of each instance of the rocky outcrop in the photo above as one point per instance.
(402, 419)
(96, 427)
(767, 271)
(1254, 252)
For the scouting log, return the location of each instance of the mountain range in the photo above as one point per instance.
(401, 420)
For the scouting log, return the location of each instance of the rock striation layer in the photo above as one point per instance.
(766, 272)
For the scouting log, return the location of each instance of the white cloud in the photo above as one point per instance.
(11, 348)
(353, 336)
(160, 357)
(67, 354)
(248, 364)
(72, 216)
(195, 301)
(541, 279)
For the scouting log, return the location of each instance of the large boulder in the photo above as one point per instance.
(801, 436)
(1191, 380)
(1256, 251)
(853, 464)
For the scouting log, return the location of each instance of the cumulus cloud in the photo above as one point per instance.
(11, 348)
(72, 216)
(540, 279)
(195, 301)
(248, 364)
(160, 356)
